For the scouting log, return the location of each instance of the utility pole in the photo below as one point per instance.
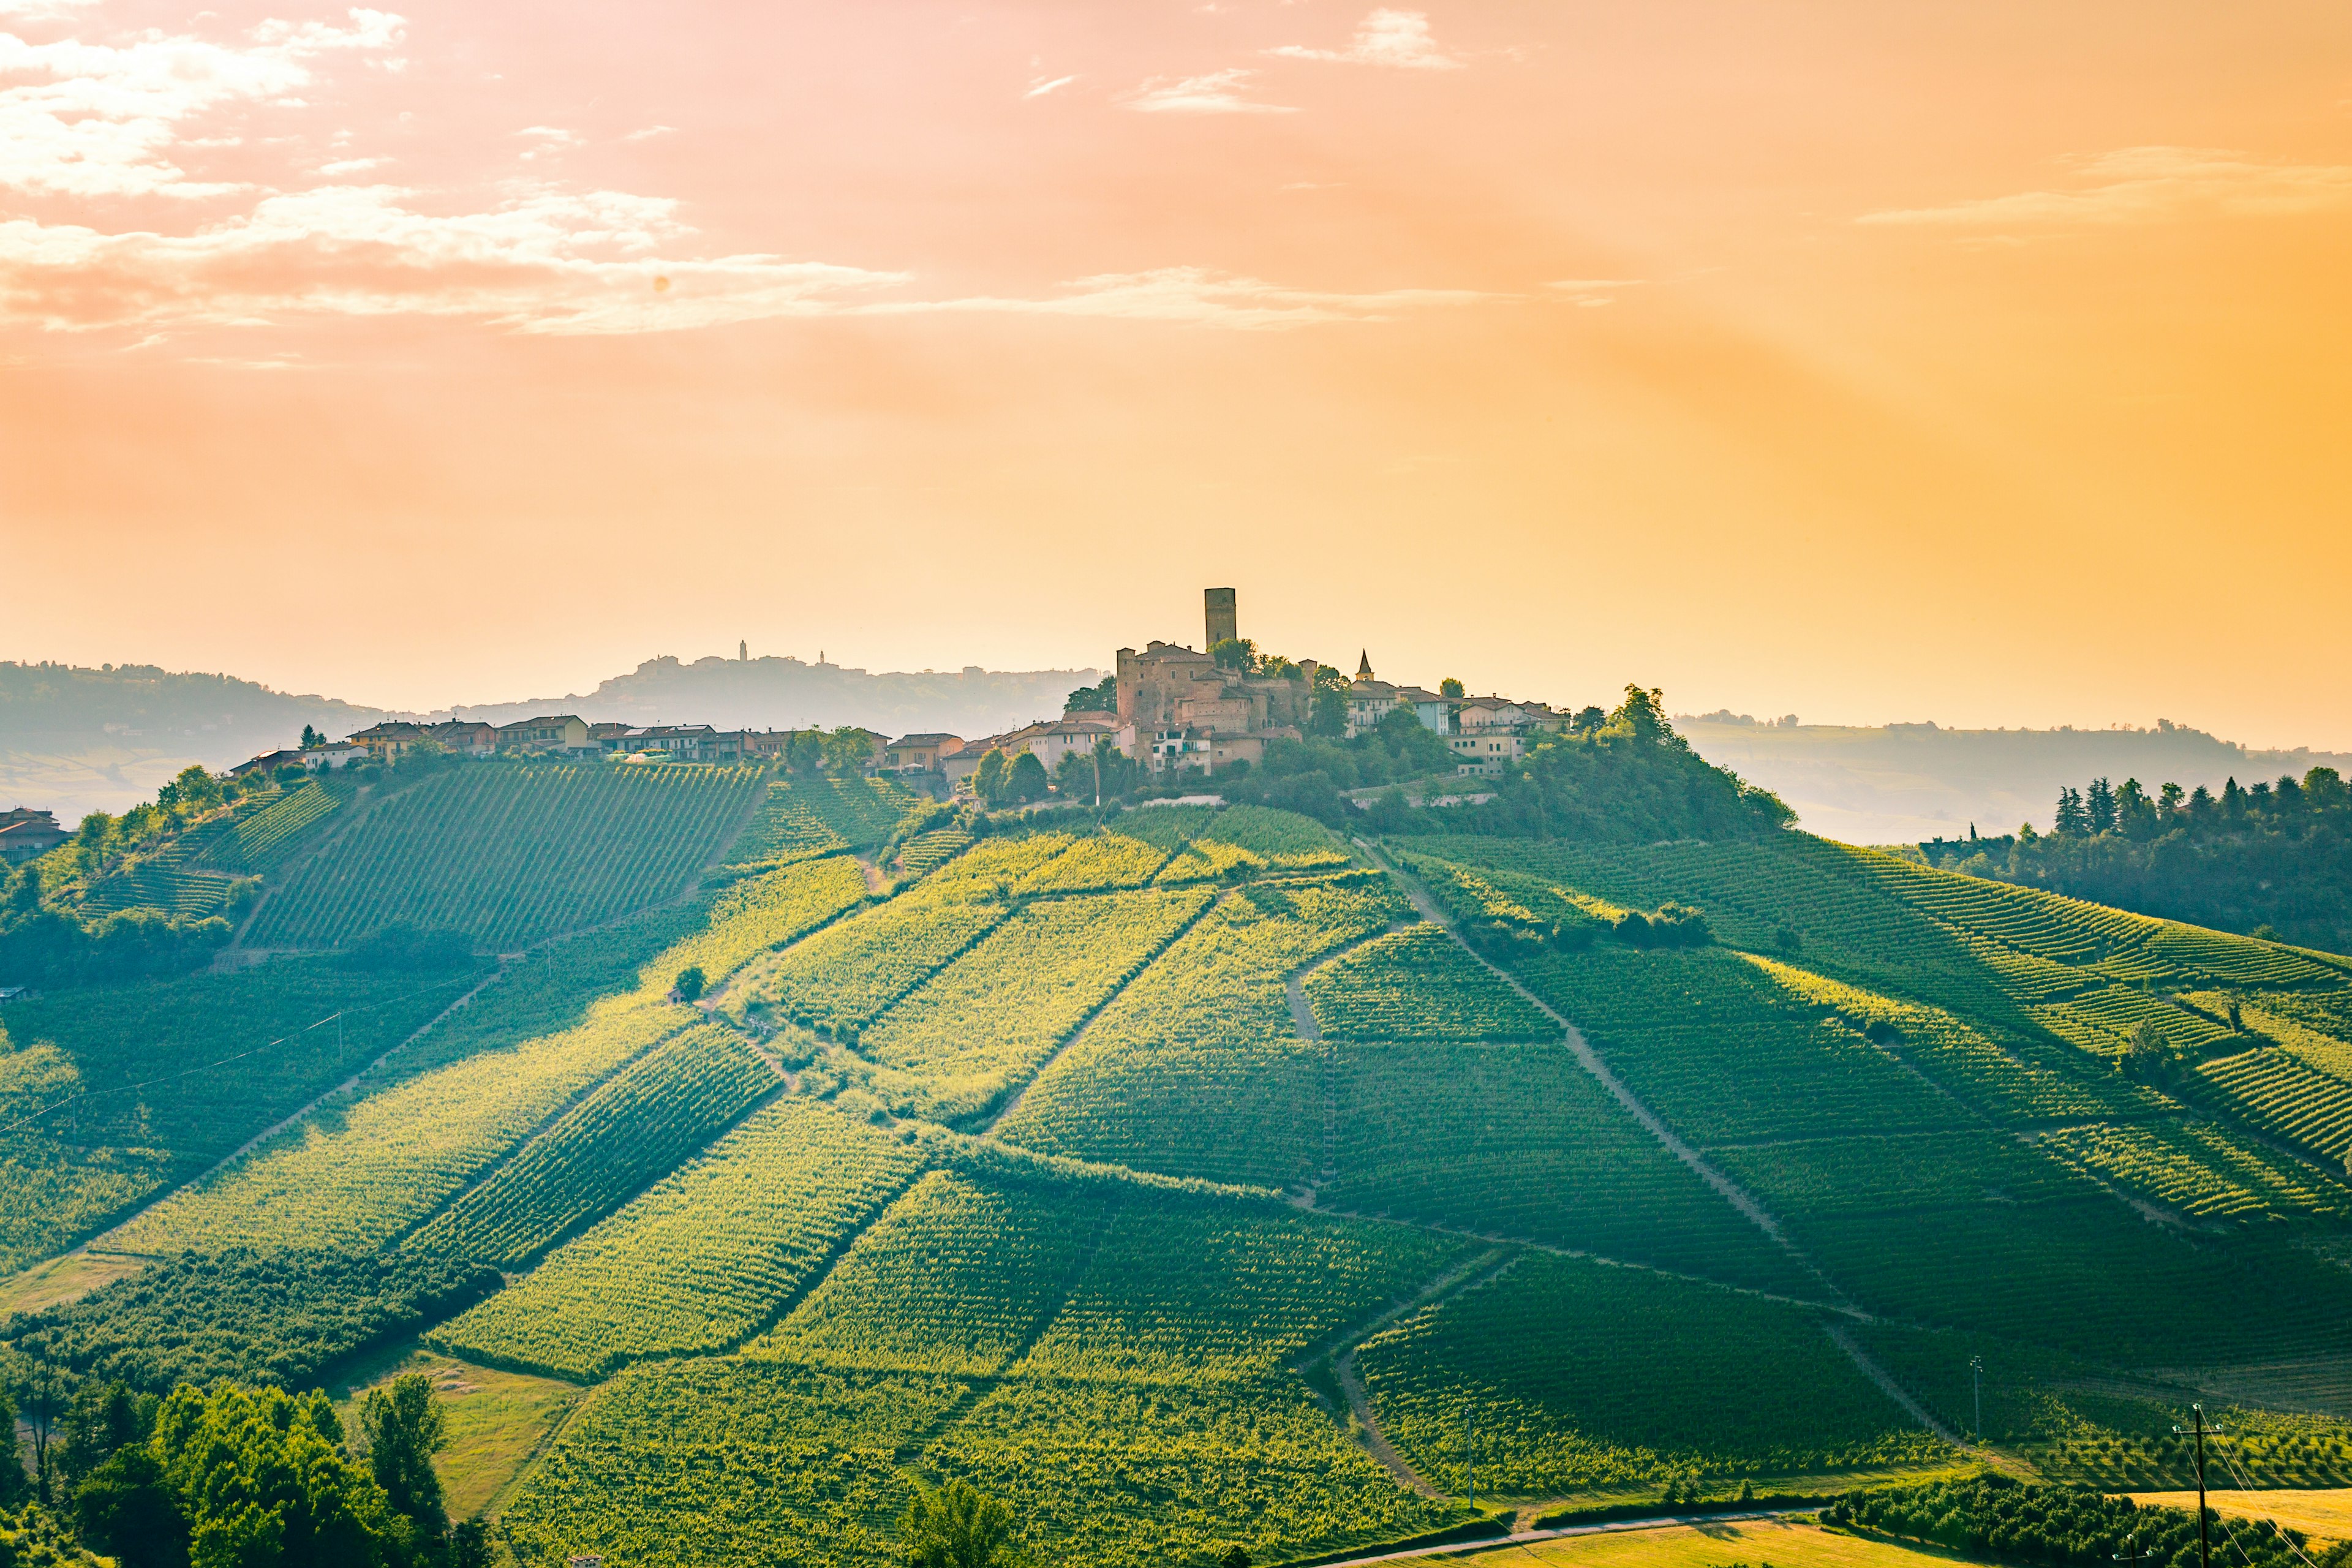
(2132, 1554)
(1975, 1368)
(2197, 1412)
(1469, 1456)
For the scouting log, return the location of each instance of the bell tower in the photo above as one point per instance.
(1224, 622)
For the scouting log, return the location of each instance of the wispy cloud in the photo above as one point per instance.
(1042, 86)
(342, 166)
(2149, 184)
(106, 119)
(1400, 39)
(1196, 296)
(647, 133)
(1219, 92)
(1594, 293)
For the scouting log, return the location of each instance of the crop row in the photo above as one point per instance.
(638, 1125)
(1798, 897)
(278, 1033)
(1834, 1179)
(2301, 1025)
(361, 1174)
(1196, 1290)
(1418, 985)
(1195, 1068)
(1099, 863)
(51, 1194)
(988, 1020)
(1496, 907)
(1565, 1374)
(765, 912)
(2006, 1084)
(260, 840)
(2282, 1095)
(840, 980)
(509, 853)
(956, 1278)
(1706, 1041)
(1524, 1142)
(1128, 1477)
(701, 1259)
(927, 852)
(2102, 1022)
(680, 1464)
(1241, 839)
(800, 818)
(2199, 1170)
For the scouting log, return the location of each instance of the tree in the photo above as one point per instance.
(1327, 716)
(126, 1509)
(469, 1544)
(1452, 689)
(2099, 806)
(102, 1419)
(2072, 818)
(405, 1429)
(42, 1393)
(309, 738)
(1026, 780)
(848, 749)
(1102, 697)
(989, 779)
(804, 751)
(1644, 713)
(1234, 1557)
(1236, 653)
(689, 982)
(956, 1526)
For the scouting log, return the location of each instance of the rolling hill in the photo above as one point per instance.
(1194, 1178)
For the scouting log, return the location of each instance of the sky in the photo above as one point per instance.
(1986, 362)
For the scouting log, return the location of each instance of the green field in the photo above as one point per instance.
(1174, 1180)
(509, 853)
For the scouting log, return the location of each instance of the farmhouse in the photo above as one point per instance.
(555, 732)
(26, 832)
(920, 753)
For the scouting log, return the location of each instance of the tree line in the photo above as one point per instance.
(2273, 859)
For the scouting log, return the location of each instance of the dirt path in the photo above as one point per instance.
(1302, 1018)
(1843, 1335)
(1590, 1059)
(1342, 1351)
(1610, 1526)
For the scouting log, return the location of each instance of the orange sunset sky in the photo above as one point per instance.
(1987, 363)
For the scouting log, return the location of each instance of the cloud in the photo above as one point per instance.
(1194, 296)
(2149, 184)
(341, 166)
(1400, 39)
(1040, 87)
(106, 117)
(1219, 92)
(647, 133)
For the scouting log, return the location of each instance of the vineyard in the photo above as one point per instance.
(802, 818)
(702, 1260)
(1128, 1172)
(509, 853)
(1418, 985)
(992, 1017)
(639, 1124)
(1524, 1143)
(1196, 1069)
(1581, 1375)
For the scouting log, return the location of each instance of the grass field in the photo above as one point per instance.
(1763, 1543)
(495, 1420)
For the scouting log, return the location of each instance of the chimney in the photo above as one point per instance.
(1224, 625)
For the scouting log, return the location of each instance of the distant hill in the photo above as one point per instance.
(77, 740)
(1905, 783)
(787, 693)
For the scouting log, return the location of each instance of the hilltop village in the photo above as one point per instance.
(1172, 712)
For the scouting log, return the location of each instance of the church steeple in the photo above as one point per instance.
(1364, 665)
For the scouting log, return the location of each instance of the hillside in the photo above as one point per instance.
(1208, 1155)
(1911, 783)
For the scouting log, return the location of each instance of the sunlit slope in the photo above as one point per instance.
(506, 853)
(1156, 1177)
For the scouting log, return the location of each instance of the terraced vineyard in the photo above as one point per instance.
(509, 853)
(1150, 1177)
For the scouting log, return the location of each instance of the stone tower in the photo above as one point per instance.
(1223, 621)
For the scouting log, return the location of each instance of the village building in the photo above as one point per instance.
(28, 831)
(1179, 709)
(388, 739)
(918, 753)
(552, 733)
(466, 737)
